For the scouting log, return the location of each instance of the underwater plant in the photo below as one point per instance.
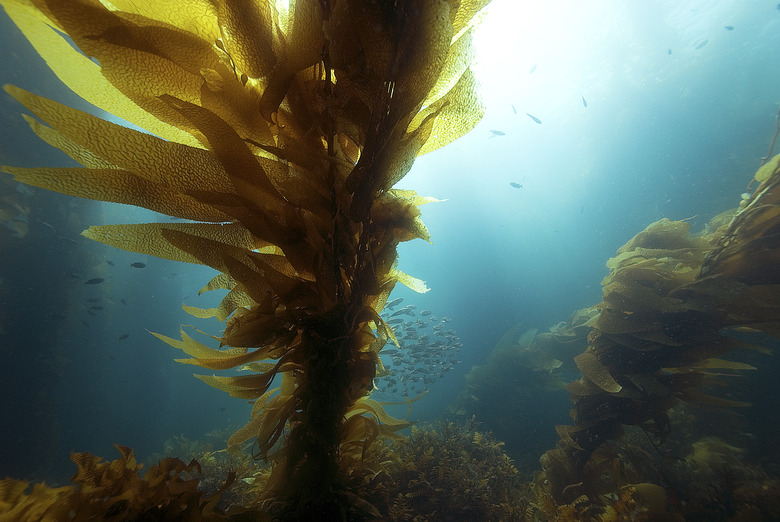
(522, 379)
(278, 133)
(452, 472)
(115, 490)
(672, 303)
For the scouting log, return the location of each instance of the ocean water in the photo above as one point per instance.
(647, 110)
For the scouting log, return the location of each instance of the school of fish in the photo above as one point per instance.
(425, 353)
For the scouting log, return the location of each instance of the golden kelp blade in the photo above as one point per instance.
(591, 367)
(147, 238)
(82, 75)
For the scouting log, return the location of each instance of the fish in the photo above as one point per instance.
(138, 264)
(516, 185)
(42, 222)
(745, 329)
(122, 337)
(584, 102)
(701, 45)
(397, 320)
(669, 51)
(93, 300)
(405, 310)
(537, 120)
(123, 301)
(497, 133)
(394, 302)
(94, 281)
(533, 68)
(110, 263)
(96, 307)
(728, 27)
(425, 313)
(513, 108)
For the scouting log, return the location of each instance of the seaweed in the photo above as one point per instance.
(452, 472)
(115, 490)
(279, 134)
(671, 306)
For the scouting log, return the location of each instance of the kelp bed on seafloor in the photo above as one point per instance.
(282, 135)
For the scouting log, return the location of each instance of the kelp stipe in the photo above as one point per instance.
(281, 133)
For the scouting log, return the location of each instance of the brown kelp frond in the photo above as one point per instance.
(281, 133)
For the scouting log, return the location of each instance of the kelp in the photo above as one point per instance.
(116, 490)
(524, 369)
(279, 131)
(672, 306)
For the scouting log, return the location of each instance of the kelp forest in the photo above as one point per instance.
(275, 135)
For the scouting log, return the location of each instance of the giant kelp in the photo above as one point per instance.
(673, 304)
(522, 379)
(279, 131)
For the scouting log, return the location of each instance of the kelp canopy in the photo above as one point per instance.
(278, 132)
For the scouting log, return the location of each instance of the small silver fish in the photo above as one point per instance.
(405, 310)
(394, 302)
(537, 120)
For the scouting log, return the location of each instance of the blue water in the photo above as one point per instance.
(674, 127)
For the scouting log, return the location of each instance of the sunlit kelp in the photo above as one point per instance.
(280, 132)
(670, 302)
